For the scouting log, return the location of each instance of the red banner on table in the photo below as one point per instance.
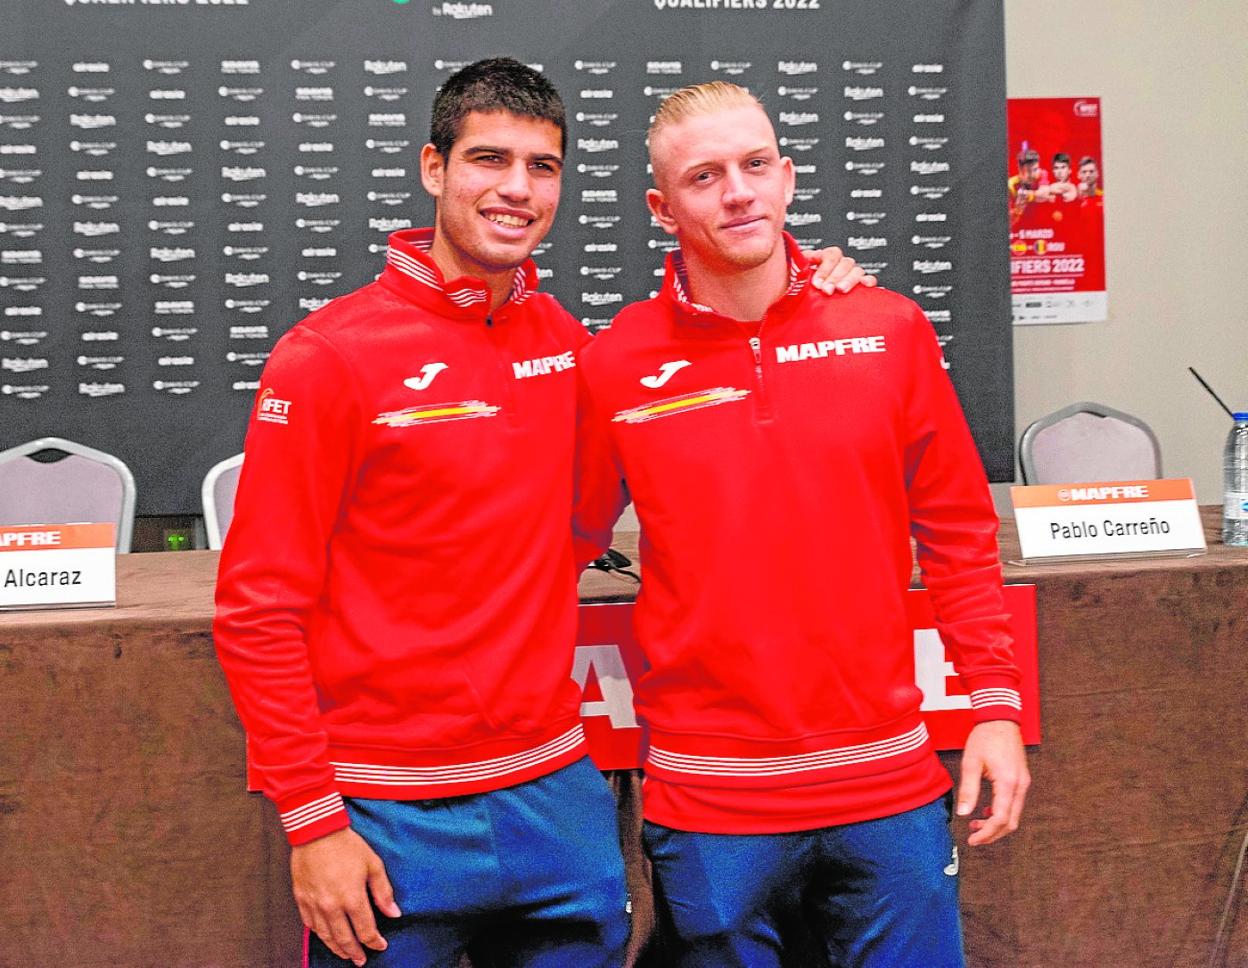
(1056, 191)
(608, 662)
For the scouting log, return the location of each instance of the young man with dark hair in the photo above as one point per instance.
(396, 604)
(496, 84)
(1062, 188)
(780, 463)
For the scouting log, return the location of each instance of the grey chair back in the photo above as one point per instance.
(83, 485)
(1088, 442)
(217, 495)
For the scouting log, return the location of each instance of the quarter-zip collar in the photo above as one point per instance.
(676, 289)
(413, 274)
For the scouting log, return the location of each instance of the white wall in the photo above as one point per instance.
(1173, 79)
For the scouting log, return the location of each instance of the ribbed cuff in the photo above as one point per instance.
(997, 700)
(311, 815)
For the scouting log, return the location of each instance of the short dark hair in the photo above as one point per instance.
(494, 84)
(1061, 156)
(1028, 156)
(1087, 160)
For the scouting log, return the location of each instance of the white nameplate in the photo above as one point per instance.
(1108, 519)
(57, 565)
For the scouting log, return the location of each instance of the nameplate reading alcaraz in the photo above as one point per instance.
(58, 566)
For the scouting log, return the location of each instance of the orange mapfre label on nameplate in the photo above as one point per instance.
(52, 537)
(1116, 492)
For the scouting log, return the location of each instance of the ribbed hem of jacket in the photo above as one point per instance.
(733, 810)
(374, 774)
(725, 761)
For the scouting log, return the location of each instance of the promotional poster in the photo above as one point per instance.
(1057, 210)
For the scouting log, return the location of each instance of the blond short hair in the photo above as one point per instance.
(700, 99)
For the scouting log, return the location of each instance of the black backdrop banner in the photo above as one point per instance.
(181, 181)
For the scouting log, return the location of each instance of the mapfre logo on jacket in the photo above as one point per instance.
(543, 365)
(796, 352)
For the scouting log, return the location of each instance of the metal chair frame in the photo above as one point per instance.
(1027, 441)
(212, 520)
(125, 524)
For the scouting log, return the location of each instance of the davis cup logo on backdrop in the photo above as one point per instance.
(25, 391)
(313, 66)
(166, 66)
(321, 172)
(385, 93)
(31, 337)
(178, 335)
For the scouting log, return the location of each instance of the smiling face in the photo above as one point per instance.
(496, 194)
(722, 187)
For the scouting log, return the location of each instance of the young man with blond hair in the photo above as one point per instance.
(781, 450)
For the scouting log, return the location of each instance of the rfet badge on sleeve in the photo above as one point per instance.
(58, 566)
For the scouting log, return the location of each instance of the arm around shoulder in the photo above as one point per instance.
(599, 493)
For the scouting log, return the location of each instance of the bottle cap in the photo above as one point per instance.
(1240, 415)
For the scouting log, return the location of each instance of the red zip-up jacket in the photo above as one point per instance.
(779, 472)
(396, 601)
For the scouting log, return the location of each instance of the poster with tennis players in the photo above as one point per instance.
(1057, 210)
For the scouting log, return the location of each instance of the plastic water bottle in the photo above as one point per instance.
(1235, 480)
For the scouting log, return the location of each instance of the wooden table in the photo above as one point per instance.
(126, 839)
